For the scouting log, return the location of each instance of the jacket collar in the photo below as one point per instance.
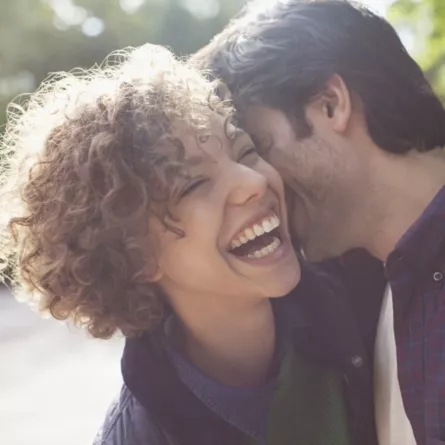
(322, 328)
(423, 244)
(153, 381)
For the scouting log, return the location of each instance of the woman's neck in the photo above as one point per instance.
(233, 345)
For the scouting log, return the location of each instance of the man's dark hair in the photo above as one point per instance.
(282, 54)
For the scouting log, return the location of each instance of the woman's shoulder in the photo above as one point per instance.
(127, 422)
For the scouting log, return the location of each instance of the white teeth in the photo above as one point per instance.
(265, 251)
(275, 221)
(267, 226)
(250, 234)
(258, 229)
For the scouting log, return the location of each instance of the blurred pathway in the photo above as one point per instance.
(55, 383)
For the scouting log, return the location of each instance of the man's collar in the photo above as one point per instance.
(422, 244)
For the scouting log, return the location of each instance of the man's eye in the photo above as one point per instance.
(192, 187)
(252, 151)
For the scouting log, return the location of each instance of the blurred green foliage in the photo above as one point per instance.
(38, 37)
(422, 23)
(42, 36)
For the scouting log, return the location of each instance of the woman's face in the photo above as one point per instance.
(232, 213)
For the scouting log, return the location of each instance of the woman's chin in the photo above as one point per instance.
(282, 284)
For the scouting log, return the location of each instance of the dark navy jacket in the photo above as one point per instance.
(335, 308)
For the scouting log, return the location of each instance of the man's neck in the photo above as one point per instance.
(234, 345)
(405, 187)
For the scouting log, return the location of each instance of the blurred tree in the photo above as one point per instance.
(42, 36)
(422, 24)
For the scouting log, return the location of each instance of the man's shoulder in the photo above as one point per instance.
(127, 422)
(354, 271)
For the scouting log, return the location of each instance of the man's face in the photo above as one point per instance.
(323, 178)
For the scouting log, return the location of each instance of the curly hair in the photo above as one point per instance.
(83, 163)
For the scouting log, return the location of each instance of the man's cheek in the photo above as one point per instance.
(288, 194)
(283, 163)
(291, 210)
(293, 230)
(293, 203)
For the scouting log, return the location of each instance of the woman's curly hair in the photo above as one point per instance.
(83, 163)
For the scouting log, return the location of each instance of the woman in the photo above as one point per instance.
(135, 206)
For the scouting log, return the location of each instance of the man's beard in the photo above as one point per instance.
(290, 204)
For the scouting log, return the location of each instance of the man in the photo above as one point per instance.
(336, 104)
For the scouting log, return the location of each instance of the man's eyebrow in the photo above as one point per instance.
(263, 143)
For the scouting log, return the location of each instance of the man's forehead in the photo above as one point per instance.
(258, 114)
(266, 124)
(256, 122)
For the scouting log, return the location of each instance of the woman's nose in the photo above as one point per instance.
(245, 185)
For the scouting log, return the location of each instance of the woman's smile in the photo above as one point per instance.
(261, 242)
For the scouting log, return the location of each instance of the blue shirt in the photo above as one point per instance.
(245, 408)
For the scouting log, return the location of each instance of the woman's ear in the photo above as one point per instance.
(154, 276)
(153, 272)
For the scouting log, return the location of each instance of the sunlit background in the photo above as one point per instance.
(55, 383)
